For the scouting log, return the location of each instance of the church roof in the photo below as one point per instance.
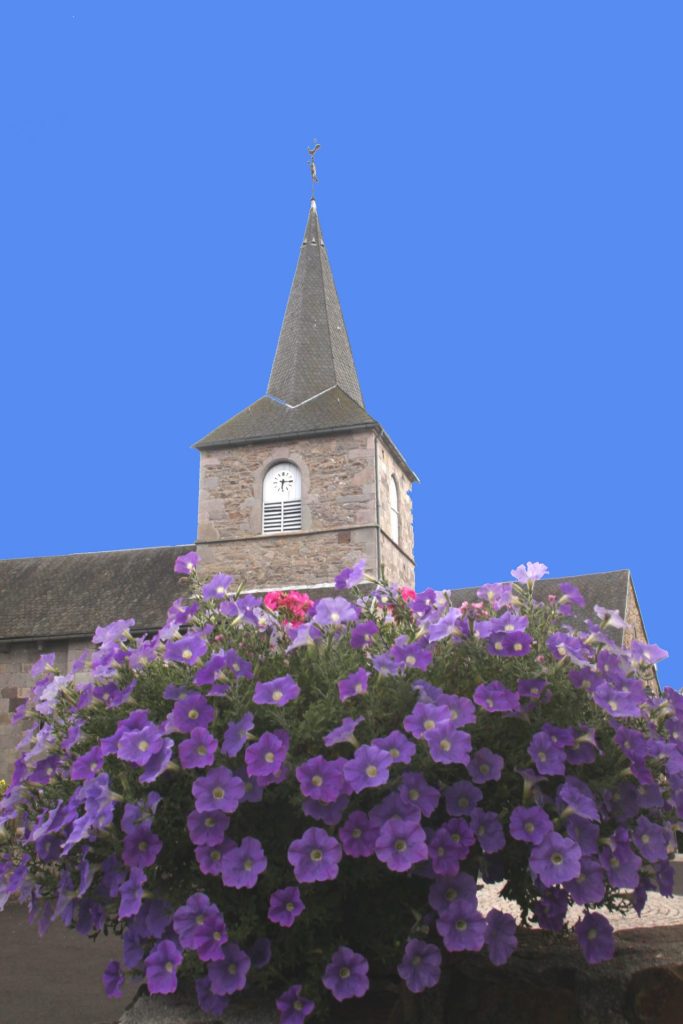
(71, 595)
(313, 352)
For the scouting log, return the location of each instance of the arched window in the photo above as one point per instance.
(282, 498)
(394, 515)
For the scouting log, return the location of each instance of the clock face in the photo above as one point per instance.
(283, 482)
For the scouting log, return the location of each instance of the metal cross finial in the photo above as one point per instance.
(312, 150)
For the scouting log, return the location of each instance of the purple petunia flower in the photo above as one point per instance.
(236, 735)
(487, 828)
(131, 893)
(556, 859)
(208, 1001)
(198, 750)
(402, 749)
(315, 856)
(529, 573)
(346, 975)
(462, 797)
(446, 891)
(547, 755)
(265, 757)
(652, 840)
(293, 1005)
(278, 691)
(485, 766)
(161, 966)
(424, 718)
(589, 884)
(87, 765)
(284, 906)
(137, 746)
(158, 763)
(621, 864)
(400, 844)
(189, 712)
(191, 916)
(509, 645)
(551, 910)
(218, 790)
(353, 685)
(113, 979)
(334, 612)
(348, 578)
(185, 564)
(596, 938)
(368, 768)
(260, 952)
(329, 814)
(500, 936)
(140, 847)
(321, 779)
(210, 858)
(530, 824)
(461, 835)
(448, 744)
(358, 835)
(344, 733)
(362, 634)
(188, 650)
(578, 799)
(241, 866)
(415, 789)
(494, 696)
(218, 587)
(230, 975)
(420, 967)
(207, 828)
(461, 926)
(443, 853)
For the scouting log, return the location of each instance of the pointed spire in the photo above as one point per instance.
(313, 352)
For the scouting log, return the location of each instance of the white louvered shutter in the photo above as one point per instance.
(282, 498)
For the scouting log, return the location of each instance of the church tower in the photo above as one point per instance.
(304, 481)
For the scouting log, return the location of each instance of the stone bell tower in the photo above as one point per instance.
(304, 481)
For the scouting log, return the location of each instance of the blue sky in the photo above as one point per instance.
(500, 196)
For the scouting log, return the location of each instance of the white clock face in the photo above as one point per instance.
(283, 483)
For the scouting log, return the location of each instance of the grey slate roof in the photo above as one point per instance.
(313, 352)
(70, 595)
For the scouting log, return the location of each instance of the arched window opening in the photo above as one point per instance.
(394, 515)
(282, 498)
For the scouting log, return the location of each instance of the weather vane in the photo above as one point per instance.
(312, 150)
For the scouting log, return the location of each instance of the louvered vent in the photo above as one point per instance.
(281, 516)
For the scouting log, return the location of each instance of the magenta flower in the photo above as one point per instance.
(530, 825)
(400, 844)
(236, 735)
(218, 790)
(218, 587)
(420, 967)
(358, 835)
(189, 712)
(284, 906)
(368, 768)
(113, 979)
(402, 749)
(161, 966)
(293, 1005)
(315, 856)
(321, 779)
(334, 611)
(500, 936)
(189, 649)
(448, 744)
(461, 926)
(596, 938)
(277, 691)
(353, 685)
(344, 732)
(265, 757)
(556, 860)
(230, 975)
(185, 564)
(242, 865)
(485, 766)
(198, 751)
(346, 975)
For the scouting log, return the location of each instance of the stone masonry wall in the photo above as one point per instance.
(339, 511)
(397, 560)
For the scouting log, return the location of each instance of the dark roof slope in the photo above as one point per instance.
(70, 595)
(313, 351)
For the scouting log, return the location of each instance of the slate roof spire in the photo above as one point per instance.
(313, 352)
